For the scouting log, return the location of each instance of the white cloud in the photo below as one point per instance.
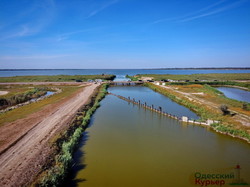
(215, 11)
(215, 8)
(102, 7)
(32, 20)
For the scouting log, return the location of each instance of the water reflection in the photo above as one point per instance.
(235, 93)
(78, 165)
(130, 146)
(145, 94)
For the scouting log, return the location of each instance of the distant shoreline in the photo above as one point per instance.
(206, 68)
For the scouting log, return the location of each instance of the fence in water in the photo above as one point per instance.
(160, 111)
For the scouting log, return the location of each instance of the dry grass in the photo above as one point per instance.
(55, 78)
(210, 77)
(24, 111)
(15, 89)
(207, 104)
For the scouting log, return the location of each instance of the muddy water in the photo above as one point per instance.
(129, 146)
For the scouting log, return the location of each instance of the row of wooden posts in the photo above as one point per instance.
(158, 110)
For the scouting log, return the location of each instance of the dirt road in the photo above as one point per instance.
(242, 118)
(24, 159)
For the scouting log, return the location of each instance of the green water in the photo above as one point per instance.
(129, 146)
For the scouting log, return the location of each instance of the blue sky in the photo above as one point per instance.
(124, 33)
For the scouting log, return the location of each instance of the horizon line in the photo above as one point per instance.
(174, 68)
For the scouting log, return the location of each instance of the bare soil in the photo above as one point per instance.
(242, 118)
(25, 143)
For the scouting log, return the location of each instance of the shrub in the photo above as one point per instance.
(56, 174)
(224, 109)
(244, 106)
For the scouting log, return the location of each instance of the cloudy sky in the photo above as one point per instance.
(124, 33)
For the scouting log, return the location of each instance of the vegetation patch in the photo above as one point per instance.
(57, 78)
(197, 108)
(200, 77)
(223, 113)
(227, 129)
(22, 97)
(67, 143)
(24, 111)
(132, 78)
(219, 83)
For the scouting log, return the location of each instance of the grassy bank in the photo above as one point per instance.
(67, 143)
(230, 130)
(243, 85)
(56, 78)
(199, 109)
(16, 89)
(132, 78)
(227, 125)
(24, 111)
(193, 77)
(22, 97)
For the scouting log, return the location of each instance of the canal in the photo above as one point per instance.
(129, 146)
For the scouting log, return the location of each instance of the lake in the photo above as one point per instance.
(120, 73)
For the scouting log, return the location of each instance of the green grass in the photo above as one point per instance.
(193, 77)
(198, 109)
(56, 78)
(206, 113)
(230, 130)
(24, 111)
(215, 79)
(132, 78)
(15, 89)
(63, 161)
(22, 97)
(217, 83)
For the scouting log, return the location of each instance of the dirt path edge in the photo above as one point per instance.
(25, 159)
